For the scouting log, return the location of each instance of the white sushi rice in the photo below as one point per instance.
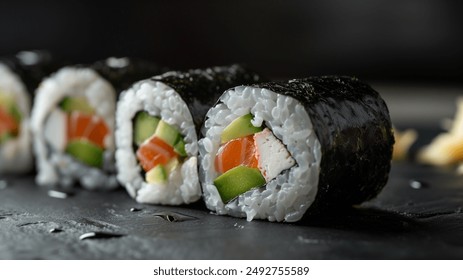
(54, 166)
(290, 194)
(16, 154)
(162, 101)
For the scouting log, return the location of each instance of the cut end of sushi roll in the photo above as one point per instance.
(73, 123)
(274, 150)
(15, 147)
(156, 141)
(158, 121)
(276, 141)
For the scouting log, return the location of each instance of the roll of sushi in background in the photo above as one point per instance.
(276, 150)
(19, 76)
(158, 121)
(73, 122)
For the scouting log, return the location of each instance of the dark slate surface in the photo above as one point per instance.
(401, 223)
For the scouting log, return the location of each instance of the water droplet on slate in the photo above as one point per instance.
(416, 184)
(99, 235)
(174, 217)
(59, 194)
(55, 230)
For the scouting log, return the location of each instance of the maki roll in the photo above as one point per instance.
(73, 122)
(19, 76)
(158, 120)
(277, 150)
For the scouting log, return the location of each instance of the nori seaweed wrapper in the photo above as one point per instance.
(122, 72)
(32, 66)
(201, 88)
(353, 126)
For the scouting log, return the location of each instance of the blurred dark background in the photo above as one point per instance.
(377, 40)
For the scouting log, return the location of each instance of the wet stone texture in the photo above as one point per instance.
(404, 222)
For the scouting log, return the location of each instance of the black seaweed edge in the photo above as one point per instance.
(32, 73)
(122, 78)
(201, 88)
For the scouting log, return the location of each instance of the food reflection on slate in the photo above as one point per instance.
(222, 138)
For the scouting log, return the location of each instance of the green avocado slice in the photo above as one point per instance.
(238, 128)
(70, 104)
(171, 136)
(145, 126)
(160, 173)
(237, 181)
(86, 152)
(157, 175)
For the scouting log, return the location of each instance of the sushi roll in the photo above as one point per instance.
(158, 121)
(19, 76)
(73, 121)
(277, 150)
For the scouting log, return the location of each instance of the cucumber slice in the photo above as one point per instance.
(69, 104)
(238, 128)
(86, 152)
(167, 133)
(237, 181)
(144, 127)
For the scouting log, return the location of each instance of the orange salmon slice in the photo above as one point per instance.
(240, 151)
(90, 127)
(7, 123)
(154, 151)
